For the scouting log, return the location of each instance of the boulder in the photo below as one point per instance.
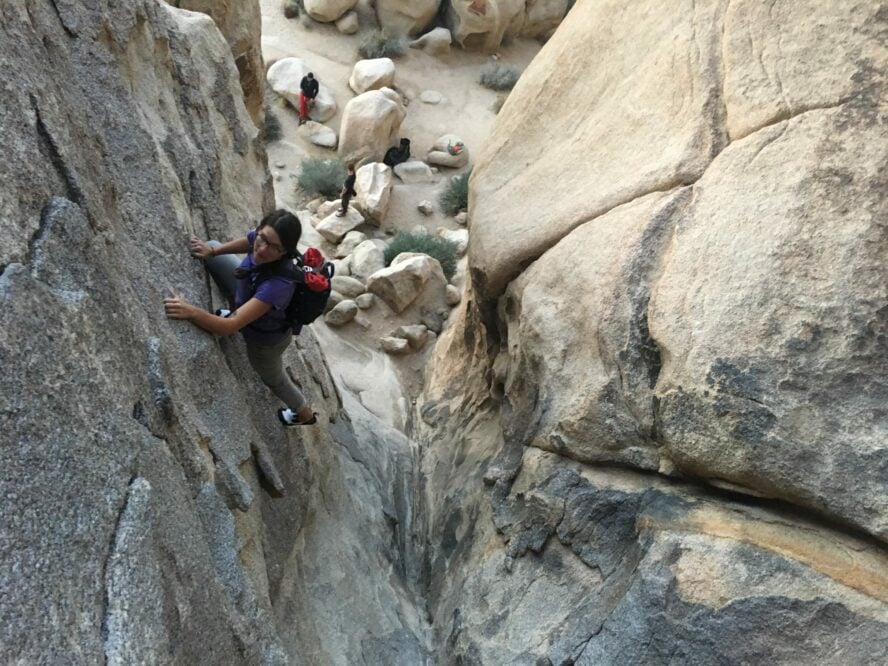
(333, 228)
(452, 295)
(327, 11)
(393, 345)
(342, 266)
(415, 334)
(414, 171)
(335, 299)
(542, 17)
(440, 153)
(461, 217)
(351, 240)
(343, 313)
(284, 77)
(348, 286)
(318, 134)
(405, 17)
(459, 237)
(365, 301)
(371, 123)
(432, 97)
(367, 259)
(425, 207)
(482, 24)
(348, 24)
(400, 284)
(373, 184)
(435, 42)
(372, 75)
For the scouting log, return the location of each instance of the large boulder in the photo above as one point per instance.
(327, 11)
(318, 134)
(284, 77)
(442, 152)
(414, 171)
(435, 42)
(373, 183)
(401, 284)
(541, 17)
(371, 124)
(348, 24)
(677, 127)
(692, 329)
(405, 17)
(241, 25)
(367, 259)
(372, 75)
(482, 24)
(334, 228)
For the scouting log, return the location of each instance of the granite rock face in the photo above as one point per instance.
(153, 509)
(654, 430)
(240, 21)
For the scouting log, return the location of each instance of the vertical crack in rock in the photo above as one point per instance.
(51, 148)
(68, 29)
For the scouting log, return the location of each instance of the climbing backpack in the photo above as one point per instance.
(312, 274)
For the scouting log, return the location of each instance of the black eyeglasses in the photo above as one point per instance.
(263, 240)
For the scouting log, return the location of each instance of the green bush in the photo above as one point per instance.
(273, 129)
(377, 44)
(455, 196)
(321, 176)
(292, 8)
(499, 77)
(439, 248)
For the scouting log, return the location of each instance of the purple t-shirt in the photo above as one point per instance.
(269, 329)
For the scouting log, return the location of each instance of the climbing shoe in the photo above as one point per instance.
(289, 418)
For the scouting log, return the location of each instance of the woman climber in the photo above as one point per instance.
(262, 291)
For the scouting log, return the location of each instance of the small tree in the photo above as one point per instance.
(436, 247)
(292, 8)
(376, 44)
(455, 196)
(321, 176)
(499, 77)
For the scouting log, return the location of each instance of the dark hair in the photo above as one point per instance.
(288, 229)
(310, 75)
(287, 226)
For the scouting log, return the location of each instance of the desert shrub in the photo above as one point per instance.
(321, 176)
(499, 77)
(439, 248)
(273, 129)
(292, 8)
(455, 196)
(377, 44)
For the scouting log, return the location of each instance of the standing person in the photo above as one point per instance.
(308, 90)
(348, 190)
(261, 295)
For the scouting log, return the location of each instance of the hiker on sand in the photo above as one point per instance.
(348, 190)
(261, 297)
(308, 90)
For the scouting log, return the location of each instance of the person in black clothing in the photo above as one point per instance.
(348, 190)
(397, 154)
(308, 90)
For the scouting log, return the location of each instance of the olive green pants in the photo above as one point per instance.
(265, 359)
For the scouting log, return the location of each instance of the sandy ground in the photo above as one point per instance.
(384, 384)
